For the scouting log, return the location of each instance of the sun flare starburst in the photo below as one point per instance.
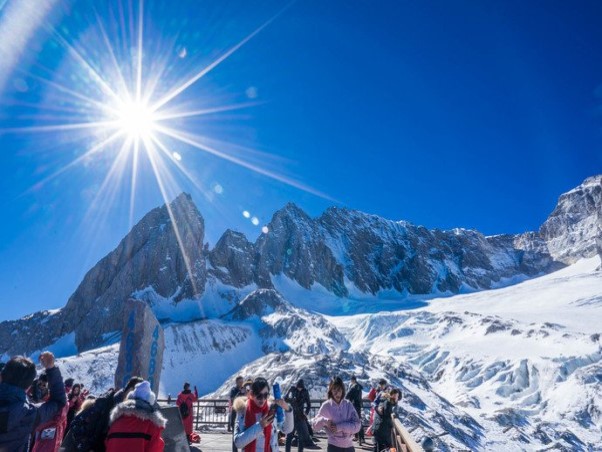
(136, 120)
(125, 101)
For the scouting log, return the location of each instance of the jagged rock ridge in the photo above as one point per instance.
(342, 250)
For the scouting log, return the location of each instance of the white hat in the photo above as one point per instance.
(143, 391)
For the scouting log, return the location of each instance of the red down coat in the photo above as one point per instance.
(135, 427)
(188, 397)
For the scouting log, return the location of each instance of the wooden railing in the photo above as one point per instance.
(401, 439)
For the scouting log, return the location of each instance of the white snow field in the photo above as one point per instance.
(524, 361)
(520, 360)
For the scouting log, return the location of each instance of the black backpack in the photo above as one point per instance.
(184, 411)
(89, 428)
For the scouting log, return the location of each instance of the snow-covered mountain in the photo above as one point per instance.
(512, 361)
(573, 230)
(525, 361)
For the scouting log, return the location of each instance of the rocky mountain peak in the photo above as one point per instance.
(232, 259)
(572, 229)
(162, 253)
(289, 217)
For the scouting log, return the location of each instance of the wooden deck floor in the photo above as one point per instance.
(222, 442)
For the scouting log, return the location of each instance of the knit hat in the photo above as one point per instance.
(143, 391)
(301, 384)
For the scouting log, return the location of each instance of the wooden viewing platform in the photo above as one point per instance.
(210, 419)
(221, 441)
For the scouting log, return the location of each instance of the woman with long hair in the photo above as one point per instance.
(74, 400)
(339, 418)
(255, 429)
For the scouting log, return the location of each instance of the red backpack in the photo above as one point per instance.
(49, 435)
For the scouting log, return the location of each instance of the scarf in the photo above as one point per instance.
(251, 418)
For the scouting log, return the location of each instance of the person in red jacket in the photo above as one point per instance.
(135, 424)
(187, 397)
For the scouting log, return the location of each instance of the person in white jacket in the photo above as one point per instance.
(255, 429)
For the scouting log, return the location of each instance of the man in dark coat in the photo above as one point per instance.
(236, 391)
(299, 400)
(354, 395)
(18, 417)
(383, 422)
(240, 390)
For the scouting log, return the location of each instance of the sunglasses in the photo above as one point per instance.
(262, 395)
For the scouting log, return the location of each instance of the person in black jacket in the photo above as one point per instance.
(239, 390)
(18, 417)
(236, 391)
(298, 397)
(383, 422)
(354, 395)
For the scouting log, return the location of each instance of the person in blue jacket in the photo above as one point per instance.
(18, 417)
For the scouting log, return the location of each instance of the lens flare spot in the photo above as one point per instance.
(176, 156)
(246, 214)
(217, 188)
(255, 221)
(265, 230)
(20, 85)
(251, 92)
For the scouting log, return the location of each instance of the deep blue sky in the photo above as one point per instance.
(446, 114)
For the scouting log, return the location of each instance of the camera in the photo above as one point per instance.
(272, 411)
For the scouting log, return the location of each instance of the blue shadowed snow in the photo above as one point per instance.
(62, 347)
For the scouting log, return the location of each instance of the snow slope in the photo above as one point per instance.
(525, 360)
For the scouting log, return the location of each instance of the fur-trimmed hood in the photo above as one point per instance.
(240, 404)
(139, 409)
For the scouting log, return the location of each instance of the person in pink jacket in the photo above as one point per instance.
(338, 416)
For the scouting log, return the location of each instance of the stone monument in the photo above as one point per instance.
(142, 345)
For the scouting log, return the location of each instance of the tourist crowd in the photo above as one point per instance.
(46, 413)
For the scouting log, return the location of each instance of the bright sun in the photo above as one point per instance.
(136, 120)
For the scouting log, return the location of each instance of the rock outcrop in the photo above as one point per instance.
(155, 253)
(573, 227)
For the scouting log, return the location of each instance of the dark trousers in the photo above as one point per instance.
(231, 423)
(302, 435)
(381, 441)
(332, 448)
(232, 420)
(289, 442)
(361, 434)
